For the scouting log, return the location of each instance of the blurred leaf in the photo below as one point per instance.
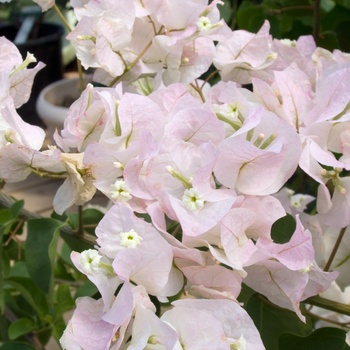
(283, 229)
(41, 250)
(64, 300)
(272, 321)
(226, 11)
(245, 294)
(91, 218)
(16, 345)
(30, 292)
(19, 269)
(20, 327)
(87, 289)
(16, 208)
(5, 217)
(327, 5)
(250, 17)
(328, 40)
(321, 339)
(344, 3)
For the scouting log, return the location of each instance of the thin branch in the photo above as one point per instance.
(335, 249)
(328, 305)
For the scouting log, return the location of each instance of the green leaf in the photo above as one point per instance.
(30, 292)
(16, 345)
(250, 17)
(344, 3)
(321, 339)
(16, 208)
(87, 289)
(5, 217)
(19, 269)
(40, 248)
(283, 229)
(272, 321)
(20, 327)
(64, 300)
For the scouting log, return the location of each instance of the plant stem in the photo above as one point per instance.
(328, 304)
(335, 249)
(63, 19)
(81, 221)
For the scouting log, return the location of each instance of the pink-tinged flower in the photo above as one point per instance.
(16, 79)
(195, 125)
(213, 324)
(262, 165)
(297, 254)
(332, 94)
(78, 188)
(209, 279)
(244, 54)
(334, 209)
(287, 288)
(86, 329)
(183, 62)
(85, 120)
(45, 4)
(99, 271)
(290, 96)
(179, 14)
(107, 165)
(293, 203)
(13, 130)
(103, 30)
(139, 252)
(299, 52)
(130, 117)
(148, 331)
(279, 284)
(17, 162)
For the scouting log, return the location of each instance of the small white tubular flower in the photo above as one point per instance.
(193, 199)
(288, 42)
(204, 24)
(239, 344)
(120, 191)
(130, 239)
(90, 261)
(28, 60)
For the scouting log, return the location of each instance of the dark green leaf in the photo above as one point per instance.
(344, 3)
(64, 300)
(272, 321)
(16, 345)
(16, 208)
(41, 249)
(245, 294)
(19, 269)
(250, 17)
(5, 217)
(87, 289)
(20, 327)
(283, 229)
(30, 292)
(321, 339)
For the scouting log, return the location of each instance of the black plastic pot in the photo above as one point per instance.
(47, 48)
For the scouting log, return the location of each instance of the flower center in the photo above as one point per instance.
(130, 239)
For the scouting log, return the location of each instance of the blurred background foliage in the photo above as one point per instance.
(327, 20)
